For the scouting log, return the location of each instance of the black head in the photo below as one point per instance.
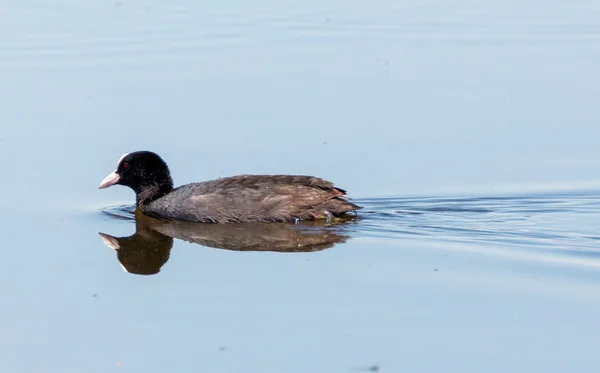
(144, 172)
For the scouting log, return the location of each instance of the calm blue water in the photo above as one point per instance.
(468, 131)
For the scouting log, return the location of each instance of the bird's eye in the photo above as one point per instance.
(125, 165)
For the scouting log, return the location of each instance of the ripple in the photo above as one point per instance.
(125, 212)
(109, 35)
(564, 224)
(552, 222)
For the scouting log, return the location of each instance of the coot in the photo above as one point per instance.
(236, 199)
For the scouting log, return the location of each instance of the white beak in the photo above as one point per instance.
(111, 179)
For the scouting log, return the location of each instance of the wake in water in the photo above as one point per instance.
(566, 221)
(561, 221)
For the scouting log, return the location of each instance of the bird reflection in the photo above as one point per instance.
(146, 251)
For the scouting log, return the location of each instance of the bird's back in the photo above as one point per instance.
(252, 198)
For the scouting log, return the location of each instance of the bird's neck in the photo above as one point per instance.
(148, 193)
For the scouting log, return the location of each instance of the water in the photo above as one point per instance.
(467, 131)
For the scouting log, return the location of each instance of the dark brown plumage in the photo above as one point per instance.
(237, 199)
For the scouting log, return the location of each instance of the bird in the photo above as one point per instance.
(236, 199)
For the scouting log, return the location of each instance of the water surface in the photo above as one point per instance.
(467, 130)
